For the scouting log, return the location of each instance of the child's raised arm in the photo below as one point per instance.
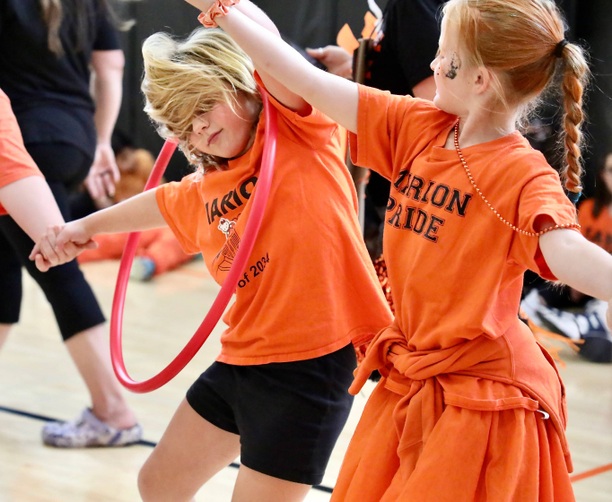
(333, 95)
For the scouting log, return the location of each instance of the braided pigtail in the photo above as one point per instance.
(575, 75)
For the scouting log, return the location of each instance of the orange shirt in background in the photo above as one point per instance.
(309, 287)
(597, 230)
(15, 161)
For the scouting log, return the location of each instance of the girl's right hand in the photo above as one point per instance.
(60, 245)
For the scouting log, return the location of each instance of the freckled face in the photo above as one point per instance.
(449, 73)
(223, 132)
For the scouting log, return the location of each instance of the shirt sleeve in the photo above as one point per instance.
(311, 128)
(15, 161)
(542, 196)
(180, 204)
(107, 36)
(391, 129)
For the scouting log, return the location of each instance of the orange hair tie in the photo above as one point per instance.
(219, 8)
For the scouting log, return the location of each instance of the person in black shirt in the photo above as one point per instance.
(46, 51)
(399, 61)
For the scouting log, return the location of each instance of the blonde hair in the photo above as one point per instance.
(523, 43)
(186, 78)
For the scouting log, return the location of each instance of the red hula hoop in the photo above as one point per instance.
(228, 288)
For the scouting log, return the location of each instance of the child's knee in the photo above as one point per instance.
(146, 483)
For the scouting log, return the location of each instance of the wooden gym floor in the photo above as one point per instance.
(38, 382)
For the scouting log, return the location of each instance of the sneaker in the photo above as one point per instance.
(563, 323)
(86, 431)
(597, 346)
(143, 269)
(531, 304)
(587, 325)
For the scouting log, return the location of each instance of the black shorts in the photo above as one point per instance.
(288, 415)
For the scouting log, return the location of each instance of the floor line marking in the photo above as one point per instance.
(590, 473)
(142, 442)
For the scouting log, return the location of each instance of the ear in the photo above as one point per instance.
(482, 80)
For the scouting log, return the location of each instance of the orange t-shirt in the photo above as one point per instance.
(309, 287)
(15, 161)
(597, 230)
(456, 271)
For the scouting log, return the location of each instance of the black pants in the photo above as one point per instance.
(71, 297)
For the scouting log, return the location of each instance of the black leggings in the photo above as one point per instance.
(71, 297)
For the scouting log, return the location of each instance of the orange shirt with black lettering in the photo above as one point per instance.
(309, 287)
(454, 268)
(15, 161)
(456, 272)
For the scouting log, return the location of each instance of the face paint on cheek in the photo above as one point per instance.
(454, 66)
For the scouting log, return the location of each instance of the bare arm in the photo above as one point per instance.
(578, 263)
(335, 96)
(137, 213)
(62, 244)
(107, 80)
(31, 204)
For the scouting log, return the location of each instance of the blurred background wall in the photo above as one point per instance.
(308, 23)
(314, 23)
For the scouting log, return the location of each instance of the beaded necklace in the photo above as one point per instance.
(490, 206)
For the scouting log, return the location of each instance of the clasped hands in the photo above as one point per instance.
(61, 244)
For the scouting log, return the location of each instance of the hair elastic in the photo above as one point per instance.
(574, 196)
(558, 52)
(219, 8)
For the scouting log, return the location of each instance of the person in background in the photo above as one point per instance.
(134, 165)
(566, 311)
(24, 194)
(158, 251)
(49, 53)
(470, 407)
(398, 60)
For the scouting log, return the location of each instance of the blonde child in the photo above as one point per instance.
(277, 393)
(469, 407)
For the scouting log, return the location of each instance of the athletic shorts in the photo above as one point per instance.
(288, 415)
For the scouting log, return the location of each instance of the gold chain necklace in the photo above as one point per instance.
(490, 206)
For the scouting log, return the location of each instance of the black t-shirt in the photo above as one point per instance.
(411, 30)
(50, 95)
